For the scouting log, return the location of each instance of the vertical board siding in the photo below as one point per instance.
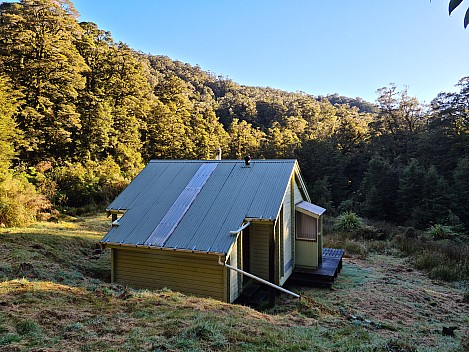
(292, 218)
(239, 244)
(306, 227)
(189, 273)
(234, 288)
(298, 195)
(320, 239)
(281, 244)
(287, 268)
(276, 255)
(113, 267)
(259, 248)
(305, 252)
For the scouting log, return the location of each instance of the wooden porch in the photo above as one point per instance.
(326, 272)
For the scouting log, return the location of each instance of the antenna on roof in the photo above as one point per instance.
(247, 160)
(218, 154)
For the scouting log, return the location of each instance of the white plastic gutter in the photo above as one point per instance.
(257, 278)
(235, 232)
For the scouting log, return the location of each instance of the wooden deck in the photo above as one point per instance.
(325, 274)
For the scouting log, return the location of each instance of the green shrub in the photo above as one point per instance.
(441, 232)
(28, 327)
(346, 206)
(354, 247)
(443, 260)
(380, 247)
(9, 338)
(446, 272)
(398, 345)
(428, 260)
(333, 240)
(410, 232)
(20, 204)
(367, 232)
(90, 183)
(348, 221)
(351, 246)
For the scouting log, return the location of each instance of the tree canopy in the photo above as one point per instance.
(80, 114)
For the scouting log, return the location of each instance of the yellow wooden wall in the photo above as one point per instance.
(259, 235)
(190, 273)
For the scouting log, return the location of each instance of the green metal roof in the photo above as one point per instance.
(194, 204)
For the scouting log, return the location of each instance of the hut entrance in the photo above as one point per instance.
(245, 251)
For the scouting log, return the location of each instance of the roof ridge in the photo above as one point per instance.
(262, 161)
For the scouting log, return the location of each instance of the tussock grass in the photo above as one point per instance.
(443, 259)
(63, 251)
(73, 319)
(55, 295)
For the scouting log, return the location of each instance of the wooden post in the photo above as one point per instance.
(113, 217)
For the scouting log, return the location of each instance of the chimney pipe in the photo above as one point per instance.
(247, 160)
(218, 154)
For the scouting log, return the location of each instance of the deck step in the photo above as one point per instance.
(333, 253)
(254, 294)
(311, 280)
(258, 298)
(250, 289)
(325, 274)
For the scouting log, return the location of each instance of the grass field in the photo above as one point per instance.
(55, 295)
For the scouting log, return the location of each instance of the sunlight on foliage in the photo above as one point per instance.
(20, 204)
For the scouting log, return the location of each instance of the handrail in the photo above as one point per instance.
(258, 278)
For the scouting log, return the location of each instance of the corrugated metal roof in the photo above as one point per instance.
(310, 207)
(180, 206)
(231, 193)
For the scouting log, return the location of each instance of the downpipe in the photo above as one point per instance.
(257, 278)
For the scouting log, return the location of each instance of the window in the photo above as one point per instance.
(306, 227)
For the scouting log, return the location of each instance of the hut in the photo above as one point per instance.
(207, 227)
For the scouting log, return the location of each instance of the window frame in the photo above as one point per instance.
(298, 223)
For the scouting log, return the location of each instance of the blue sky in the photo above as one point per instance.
(315, 46)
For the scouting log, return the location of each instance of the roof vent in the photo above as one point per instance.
(218, 154)
(247, 160)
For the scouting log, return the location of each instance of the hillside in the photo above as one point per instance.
(80, 117)
(55, 296)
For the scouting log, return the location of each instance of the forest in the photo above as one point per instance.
(81, 114)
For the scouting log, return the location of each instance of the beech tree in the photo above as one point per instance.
(94, 103)
(399, 120)
(39, 55)
(9, 135)
(244, 139)
(92, 111)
